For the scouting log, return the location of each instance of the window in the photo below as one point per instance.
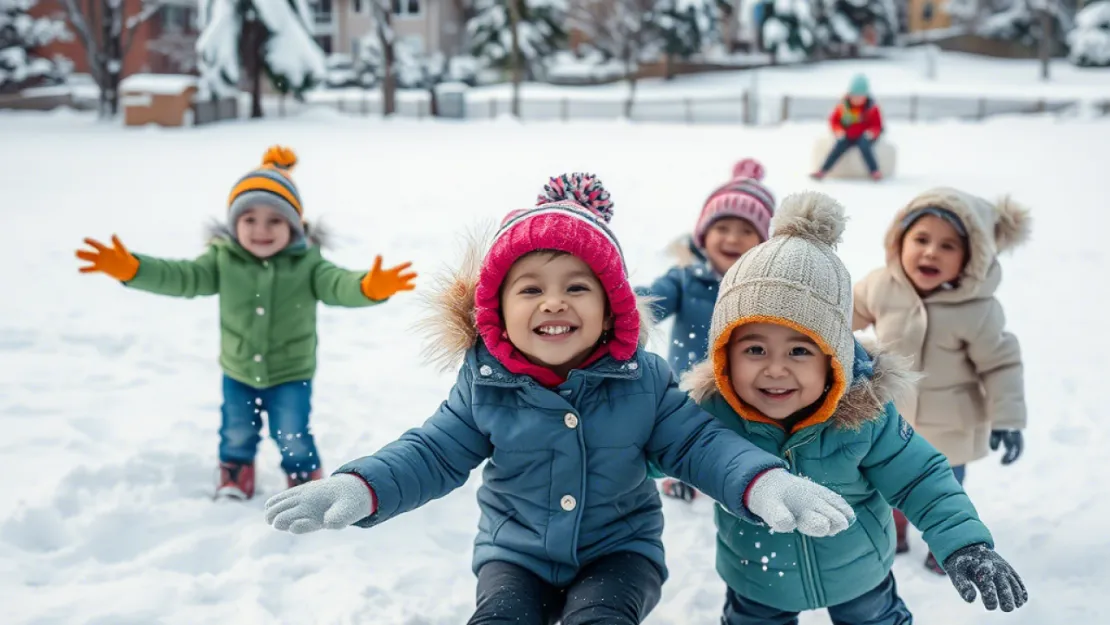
(324, 41)
(175, 19)
(322, 11)
(358, 6)
(405, 8)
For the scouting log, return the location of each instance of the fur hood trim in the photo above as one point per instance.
(449, 327)
(891, 380)
(684, 252)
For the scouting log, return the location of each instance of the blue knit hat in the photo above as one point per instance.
(943, 213)
(859, 86)
(270, 185)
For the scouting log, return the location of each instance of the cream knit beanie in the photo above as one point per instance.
(795, 279)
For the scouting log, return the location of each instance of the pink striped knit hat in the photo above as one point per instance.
(571, 215)
(744, 196)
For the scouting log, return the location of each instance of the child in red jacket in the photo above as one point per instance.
(856, 121)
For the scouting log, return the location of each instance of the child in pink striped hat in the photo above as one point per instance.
(735, 218)
(560, 402)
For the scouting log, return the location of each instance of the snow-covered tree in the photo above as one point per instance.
(257, 36)
(1020, 21)
(20, 34)
(686, 26)
(106, 30)
(413, 68)
(789, 30)
(1089, 42)
(539, 32)
(847, 24)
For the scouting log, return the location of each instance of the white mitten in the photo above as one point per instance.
(332, 503)
(787, 503)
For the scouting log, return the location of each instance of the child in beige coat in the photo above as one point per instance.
(934, 302)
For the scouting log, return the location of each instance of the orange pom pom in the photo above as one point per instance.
(279, 156)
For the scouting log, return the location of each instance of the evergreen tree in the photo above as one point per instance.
(20, 34)
(789, 30)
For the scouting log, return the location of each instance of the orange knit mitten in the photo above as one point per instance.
(115, 261)
(380, 284)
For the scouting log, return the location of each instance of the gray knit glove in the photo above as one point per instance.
(786, 503)
(332, 503)
(978, 566)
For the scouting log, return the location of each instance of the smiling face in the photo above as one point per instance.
(555, 310)
(727, 240)
(262, 231)
(933, 253)
(775, 369)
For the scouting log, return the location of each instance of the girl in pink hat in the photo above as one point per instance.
(557, 398)
(734, 218)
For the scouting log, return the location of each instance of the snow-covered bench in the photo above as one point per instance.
(851, 165)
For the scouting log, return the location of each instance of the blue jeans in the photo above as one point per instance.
(842, 144)
(286, 407)
(879, 606)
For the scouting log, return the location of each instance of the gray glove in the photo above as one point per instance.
(786, 503)
(978, 566)
(332, 503)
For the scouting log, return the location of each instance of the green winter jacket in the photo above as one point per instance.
(869, 455)
(267, 307)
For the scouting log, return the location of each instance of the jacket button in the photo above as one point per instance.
(265, 263)
(258, 357)
(485, 370)
(260, 311)
(570, 420)
(568, 503)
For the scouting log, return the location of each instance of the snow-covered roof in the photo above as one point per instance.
(158, 84)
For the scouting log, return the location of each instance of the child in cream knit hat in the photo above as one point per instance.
(785, 371)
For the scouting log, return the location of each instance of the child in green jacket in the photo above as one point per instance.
(785, 371)
(269, 274)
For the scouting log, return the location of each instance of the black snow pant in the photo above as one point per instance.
(618, 589)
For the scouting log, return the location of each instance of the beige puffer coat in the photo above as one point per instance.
(957, 338)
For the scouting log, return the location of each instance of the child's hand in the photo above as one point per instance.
(1012, 440)
(978, 566)
(380, 284)
(332, 503)
(115, 261)
(787, 503)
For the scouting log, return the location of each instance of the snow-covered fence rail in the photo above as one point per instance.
(741, 108)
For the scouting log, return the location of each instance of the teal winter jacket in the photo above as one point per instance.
(868, 454)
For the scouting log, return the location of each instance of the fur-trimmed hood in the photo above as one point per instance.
(992, 228)
(685, 251)
(449, 327)
(878, 378)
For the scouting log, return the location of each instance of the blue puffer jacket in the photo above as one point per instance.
(566, 481)
(688, 291)
(869, 455)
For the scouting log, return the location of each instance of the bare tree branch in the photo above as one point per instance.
(150, 7)
(81, 25)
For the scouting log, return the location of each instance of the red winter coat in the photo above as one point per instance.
(868, 119)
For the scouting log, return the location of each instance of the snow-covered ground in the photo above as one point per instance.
(110, 398)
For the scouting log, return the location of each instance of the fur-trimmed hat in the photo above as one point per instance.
(270, 185)
(743, 196)
(795, 280)
(571, 215)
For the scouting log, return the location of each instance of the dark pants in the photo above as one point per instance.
(617, 589)
(879, 606)
(865, 148)
(286, 407)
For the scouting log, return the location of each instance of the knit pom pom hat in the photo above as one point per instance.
(271, 185)
(744, 196)
(795, 280)
(571, 215)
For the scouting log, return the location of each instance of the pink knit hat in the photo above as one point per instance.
(744, 196)
(572, 215)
